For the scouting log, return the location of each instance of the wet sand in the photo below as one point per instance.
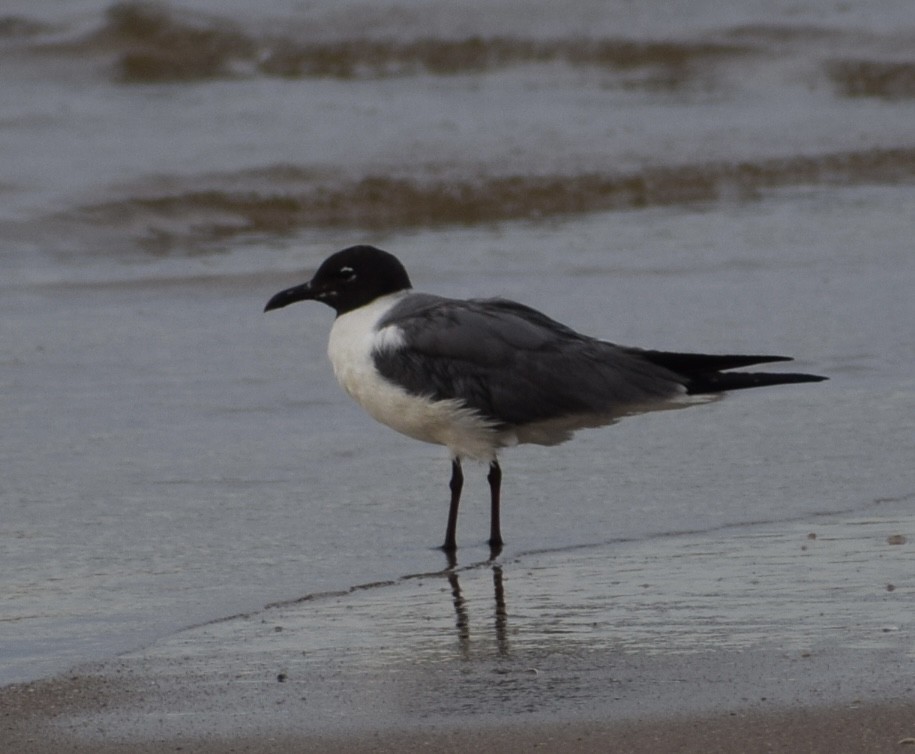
(787, 636)
(863, 729)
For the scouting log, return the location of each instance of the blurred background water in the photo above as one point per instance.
(723, 177)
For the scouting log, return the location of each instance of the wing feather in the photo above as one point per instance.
(513, 364)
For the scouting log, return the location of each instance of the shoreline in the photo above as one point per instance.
(537, 652)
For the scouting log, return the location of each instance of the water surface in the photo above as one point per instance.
(738, 179)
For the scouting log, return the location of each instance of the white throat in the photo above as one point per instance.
(354, 337)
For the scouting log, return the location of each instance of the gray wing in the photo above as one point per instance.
(513, 364)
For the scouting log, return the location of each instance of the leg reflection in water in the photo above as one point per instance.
(462, 612)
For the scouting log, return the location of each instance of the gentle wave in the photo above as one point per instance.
(241, 204)
(867, 78)
(152, 43)
(360, 58)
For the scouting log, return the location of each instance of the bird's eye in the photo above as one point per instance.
(345, 274)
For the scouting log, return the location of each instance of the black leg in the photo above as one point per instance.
(456, 484)
(495, 490)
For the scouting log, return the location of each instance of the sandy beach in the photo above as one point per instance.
(862, 729)
(102, 714)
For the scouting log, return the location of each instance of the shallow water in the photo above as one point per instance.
(171, 456)
(645, 629)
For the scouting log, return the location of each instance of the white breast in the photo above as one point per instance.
(353, 339)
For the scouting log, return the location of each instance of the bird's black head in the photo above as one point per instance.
(348, 279)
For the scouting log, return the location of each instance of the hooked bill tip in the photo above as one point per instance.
(273, 303)
(289, 296)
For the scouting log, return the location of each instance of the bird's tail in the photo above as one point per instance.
(705, 373)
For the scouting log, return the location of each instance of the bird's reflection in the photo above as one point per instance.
(462, 619)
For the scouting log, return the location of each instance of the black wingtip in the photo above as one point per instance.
(701, 363)
(717, 382)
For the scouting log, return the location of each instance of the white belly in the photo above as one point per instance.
(353, 338)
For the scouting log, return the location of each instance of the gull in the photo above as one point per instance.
(479, 375)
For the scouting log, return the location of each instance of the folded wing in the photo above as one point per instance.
(515, 365)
